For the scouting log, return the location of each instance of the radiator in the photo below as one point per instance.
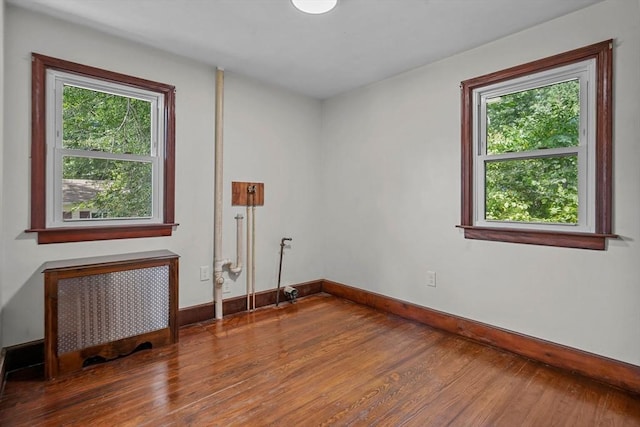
(102, 308)
(97, 310)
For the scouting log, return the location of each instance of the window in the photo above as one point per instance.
(102, 160)
(536, 151)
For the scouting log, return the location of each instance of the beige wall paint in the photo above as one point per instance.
(271, 136)
(392, 198)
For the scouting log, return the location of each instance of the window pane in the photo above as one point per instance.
(106, 189)
(532, 190)
(545, 117)
(101, 121)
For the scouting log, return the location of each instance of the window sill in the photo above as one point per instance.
(86, 234)
(538, 237)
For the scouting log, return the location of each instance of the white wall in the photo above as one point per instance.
(271, 136)
(1, 147)
(391, 156)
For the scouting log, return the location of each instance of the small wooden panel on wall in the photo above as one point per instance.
(247, 193)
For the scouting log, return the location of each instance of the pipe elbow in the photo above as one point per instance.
(219, 264)
(236, 269)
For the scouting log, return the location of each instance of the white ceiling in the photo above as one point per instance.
(359, 42)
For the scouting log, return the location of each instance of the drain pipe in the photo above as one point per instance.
(237, 267)
(218, 261)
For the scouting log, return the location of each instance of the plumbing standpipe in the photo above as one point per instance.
(237, 267)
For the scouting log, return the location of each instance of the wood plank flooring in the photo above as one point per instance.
(321, 361)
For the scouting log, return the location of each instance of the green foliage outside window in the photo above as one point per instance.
(537, 189)
(101, 122)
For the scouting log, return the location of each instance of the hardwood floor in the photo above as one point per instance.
(322, 361)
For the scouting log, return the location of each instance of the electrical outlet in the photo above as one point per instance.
(226, 287)
(431, 279)
(204, 273)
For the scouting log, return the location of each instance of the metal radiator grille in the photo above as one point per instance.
(102, 308)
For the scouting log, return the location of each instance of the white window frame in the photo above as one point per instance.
(585, 73)
(56, 80)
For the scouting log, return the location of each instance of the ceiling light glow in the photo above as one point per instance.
(314, 7)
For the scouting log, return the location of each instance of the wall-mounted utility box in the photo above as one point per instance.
(247, 194)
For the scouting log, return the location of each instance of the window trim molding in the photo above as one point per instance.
(39, 65)
(602, 53)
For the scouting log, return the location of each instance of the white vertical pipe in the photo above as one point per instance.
(237, 267)
(218, 262)
(253, 255)
(249, 268)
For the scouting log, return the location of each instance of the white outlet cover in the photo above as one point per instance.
(431, 279)
(204, 273)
